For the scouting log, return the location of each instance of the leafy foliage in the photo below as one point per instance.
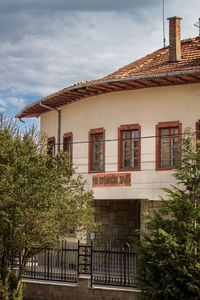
(169, 254)
(41, 199)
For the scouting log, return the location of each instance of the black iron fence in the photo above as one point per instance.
(59, 265)
(106, 265)
(114, 266)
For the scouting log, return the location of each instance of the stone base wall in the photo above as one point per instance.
(82, 291)
(118, 219)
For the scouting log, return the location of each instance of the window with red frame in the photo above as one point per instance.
(129, 147)
(168, 145)
(51, 146)
(96, 150)
(67, 144)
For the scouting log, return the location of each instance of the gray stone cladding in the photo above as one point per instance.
(117, 219)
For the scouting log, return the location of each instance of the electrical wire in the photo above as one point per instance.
(126, 139)
(116, 155)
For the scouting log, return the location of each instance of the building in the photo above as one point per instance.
(123, 131)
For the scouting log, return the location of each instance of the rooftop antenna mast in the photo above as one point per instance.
(163, 9)
(197, 24)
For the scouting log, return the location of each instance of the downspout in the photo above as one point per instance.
(59, 121)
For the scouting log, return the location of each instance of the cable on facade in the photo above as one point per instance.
(126, 139)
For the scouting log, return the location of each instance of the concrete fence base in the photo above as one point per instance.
(48, 290)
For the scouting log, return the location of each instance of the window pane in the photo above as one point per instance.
(136, 160)
(165, 153)
(198, 132)
(135, 147)
(135, 134)
(67, 146)
(95, 156)
(169, 143)
(101, 152)
(175, 152)
(126, 135)
(95, 138)
(126, 149)
(174, 131)
(97, 150)
(130, 146)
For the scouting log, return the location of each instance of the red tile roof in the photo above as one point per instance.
(150, 71)
(158, 62)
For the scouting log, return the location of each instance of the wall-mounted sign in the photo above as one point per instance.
(110, 180)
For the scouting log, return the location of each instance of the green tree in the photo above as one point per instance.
(169, 254)
(41, 199)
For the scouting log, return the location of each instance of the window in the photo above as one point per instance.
(168, 142)
(67, 144)
(129, 145)
(198, 130)
(51, 146)
(97, 150)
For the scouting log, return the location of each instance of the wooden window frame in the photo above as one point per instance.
(166, 125)
(129, 127)
(67, 136)
(51, 140)
(90, 149)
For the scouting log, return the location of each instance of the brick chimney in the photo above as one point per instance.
(174, 39)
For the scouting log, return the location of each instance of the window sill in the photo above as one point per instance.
(166, 169)
(129, 170)
(96, 171)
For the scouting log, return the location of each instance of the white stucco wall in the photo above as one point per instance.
(146, 107)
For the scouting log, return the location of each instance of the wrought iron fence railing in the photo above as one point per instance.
(106, 265)
(59, 265)
(114, 266)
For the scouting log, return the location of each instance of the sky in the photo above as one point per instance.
(47, 45)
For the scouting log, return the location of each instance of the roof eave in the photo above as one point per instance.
(24, 112)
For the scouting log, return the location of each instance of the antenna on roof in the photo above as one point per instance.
(197, 24)
(163, 6)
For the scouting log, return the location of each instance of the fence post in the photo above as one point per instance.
(105, 262)
(51, 265)
(34, 261)
(128, 263)
(78, 256)
(109, 262)
(62, 261)
(48, 265)
(124, 253)
(91, 262)
(121, 261)
(32, 266)
(65, 258)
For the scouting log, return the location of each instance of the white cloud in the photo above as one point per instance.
(44, 49)
(17, 102)
(3, 102)
(13, 101)
(77, 47)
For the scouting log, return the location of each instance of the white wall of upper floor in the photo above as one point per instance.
(145, 107)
